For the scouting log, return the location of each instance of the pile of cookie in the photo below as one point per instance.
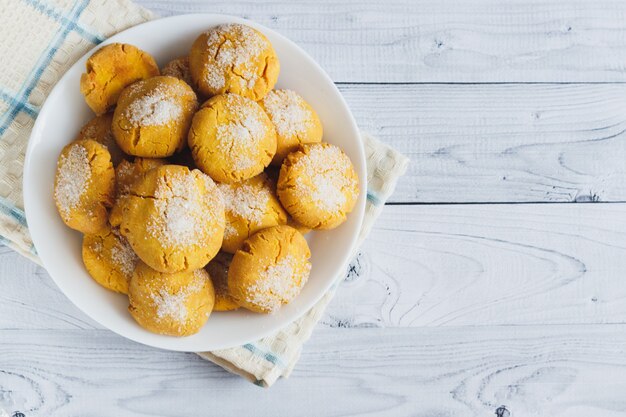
(191, 208)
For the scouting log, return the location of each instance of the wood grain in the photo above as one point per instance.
(501, 143)
(489, 264)
(573, 371)
(30, 299)
(452, 41)
(432, 266)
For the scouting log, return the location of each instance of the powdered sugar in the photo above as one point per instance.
(287, 111)
(245, 201)
(123, 255)
(156, 108)
(240, 136)
(173, 305)
(324, 177)
(326, 191)
(97, 247)
(278, 284)
(73, 178)
(229, 231)
(235, 48)
(183, 218)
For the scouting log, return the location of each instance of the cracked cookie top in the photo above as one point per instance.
(153, 116)
(318, 185)
(109, 259)
(231, 138)
(176, 304)
(84, 185)
(269, 269)
(173, 218)
(233, 58)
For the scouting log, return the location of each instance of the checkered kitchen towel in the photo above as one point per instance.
(39, 40)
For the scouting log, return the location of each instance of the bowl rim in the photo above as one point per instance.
(358, 211)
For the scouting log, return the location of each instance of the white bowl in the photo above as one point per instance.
(59, 248)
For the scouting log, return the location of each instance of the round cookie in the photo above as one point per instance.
(294, 119)
(176, 304)
(109, 70)
(269, 269)
(127, 173)
(250, 206)
(233, 58)
(231, 138)
(84, 185)
(218, 270)
(109, 259)
(152, 117)
(318, 185)
(173, 218)
(178, 68)
(99, 129)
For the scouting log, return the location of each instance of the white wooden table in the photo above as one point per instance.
(485, 287)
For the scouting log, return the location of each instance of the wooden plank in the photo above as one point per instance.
(489, 264)
(501, 143)
(30, 299)
(433, 41)
(573, 371)
(433, 266)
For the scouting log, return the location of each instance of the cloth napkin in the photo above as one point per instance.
(39, 41)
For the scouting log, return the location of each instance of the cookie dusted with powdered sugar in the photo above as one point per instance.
(153, 116)
(177, 304)
(269, 269)
(84, 185)
(109, 259)
(173, 218)
(318, 186)
(233, 58)
(231, 138)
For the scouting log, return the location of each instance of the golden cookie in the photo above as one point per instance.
(294, 119)
(231, 138)
(250, 206)
(318, 186)
(177, 304)
(233, 58)
(109, 70)
(269, 269)
(178, 68)
(84, 185)
(127, 173)
(218, 270)
(109, 259)
(152, 117)
(99, 129)
(173, 218)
